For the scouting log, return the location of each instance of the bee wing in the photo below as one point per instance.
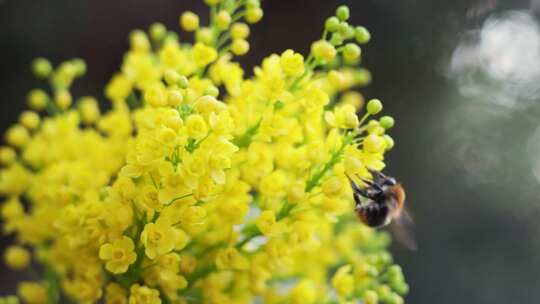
(401, 229)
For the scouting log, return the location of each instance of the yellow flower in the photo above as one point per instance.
(266, 222)
(118, 88)
(118, 255)
(334, 186)
(17, 257)
(139, 41)
(230, 258)
(158, 238)
(292, 63)
(374, 143)
(156, 95)
(196, 127)
(343, 281)
(203, 55)
(323, 50)
(115, 294)
(32, 293)
(89, 109)
(273, 185)
(143, 295)
(303, 292)
(227, 182)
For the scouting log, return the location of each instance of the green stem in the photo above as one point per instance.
(53, 295)
(363, 119)
(250, 232)
(315, 179)
(199, 273)
(180, 197)
(244, 140)
(222, 40)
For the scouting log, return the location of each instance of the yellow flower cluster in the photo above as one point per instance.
(200, 185)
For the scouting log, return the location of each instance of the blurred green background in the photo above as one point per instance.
(462, 79)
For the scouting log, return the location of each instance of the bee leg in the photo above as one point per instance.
(356, 189)
(357, 200)
(381, 178)
(373, 185)
(378, 176)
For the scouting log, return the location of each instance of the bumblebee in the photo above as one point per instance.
(383, 202)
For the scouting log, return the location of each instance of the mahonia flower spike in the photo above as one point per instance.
(201, 185)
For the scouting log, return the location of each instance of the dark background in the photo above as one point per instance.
(467, 163)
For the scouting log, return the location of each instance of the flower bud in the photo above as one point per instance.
(388, 141)
(183, 82)
(17, 136)
(139, 41)
(351, 52)
(79, 66)
(223, 19)
(323, 50)
(156, 96)
(7, 155)
(240, 47)
(401, 287)
(343, 12)
(362, 35)
(212, 91)
(41, 67)
(374, 106)
(336, 79)
(204, 35)
(332, 24)
(17, 257)
(292, 63)
(374, 143)
(158, 31)
(89, 110)
(336, 39)
(347, 31)
(32, 292)
(239, 30)
(30, 120)
(37, 99)
(370, 297)
(383, 291)
(254, 15)
(362, 77)
(394, 299)
(174, 97)
(189, 21)
(387, 122)
(203, 54)
(253, 3)
(171, 77)
(63, 99)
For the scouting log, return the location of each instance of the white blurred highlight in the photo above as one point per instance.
(501, 61)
